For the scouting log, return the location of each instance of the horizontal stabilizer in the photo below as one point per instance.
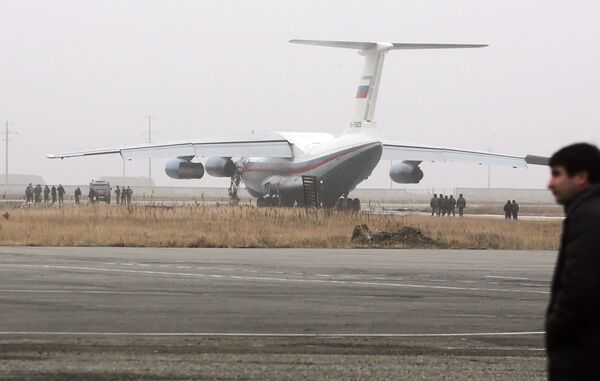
(388, 45)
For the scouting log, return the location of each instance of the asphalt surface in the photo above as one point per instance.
(285, 314)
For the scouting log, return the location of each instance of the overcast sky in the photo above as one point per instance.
(85, 74)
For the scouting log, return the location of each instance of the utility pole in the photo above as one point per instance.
(6, 133)
(489, 168)
(150, 118)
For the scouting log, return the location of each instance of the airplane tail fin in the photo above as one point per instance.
(368, 87)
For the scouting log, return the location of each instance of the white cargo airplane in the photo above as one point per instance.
(271, 166)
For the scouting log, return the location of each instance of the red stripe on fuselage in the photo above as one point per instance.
(311, 166)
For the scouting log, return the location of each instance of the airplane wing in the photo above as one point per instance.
(408, 152)
(271, 145)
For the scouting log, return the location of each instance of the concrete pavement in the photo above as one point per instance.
(126, 313)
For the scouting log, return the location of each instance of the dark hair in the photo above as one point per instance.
(579, 157)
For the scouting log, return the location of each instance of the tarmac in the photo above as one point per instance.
(93, 313)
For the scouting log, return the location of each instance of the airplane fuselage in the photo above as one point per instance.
(339, 164)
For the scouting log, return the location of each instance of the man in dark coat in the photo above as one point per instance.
(451, 206)
(573, 314)
(77, 195)
(508, 210)
(37, 192)
(29, 193)
(46, 194)
(514, 209)
(53, 193)
(461, 203)
(129, 195)
(61, 193)
(434, 204)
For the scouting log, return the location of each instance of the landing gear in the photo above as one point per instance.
(356, 204)
(348, 204)
(234, 186)
(271, 201)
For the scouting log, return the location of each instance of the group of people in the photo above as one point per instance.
(511, 210)
(444, 205)
(46, 194)
(38, 194)
(123, 195)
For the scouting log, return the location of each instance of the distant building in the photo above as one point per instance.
(140, 181)
(22, 179)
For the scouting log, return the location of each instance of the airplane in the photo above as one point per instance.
(272, 166)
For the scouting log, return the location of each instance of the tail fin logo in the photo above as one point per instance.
(362, 92)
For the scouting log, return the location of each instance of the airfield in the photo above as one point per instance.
(287, 314)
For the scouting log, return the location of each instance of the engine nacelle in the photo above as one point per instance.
(284, 185)
(406, 173)
(184, 169)
(220, 167)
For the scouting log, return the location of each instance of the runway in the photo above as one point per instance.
(127, 313)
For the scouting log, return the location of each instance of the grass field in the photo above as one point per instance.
(103, 225)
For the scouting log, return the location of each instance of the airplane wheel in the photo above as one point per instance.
(287, 202)
(347, 204)
(356, 205)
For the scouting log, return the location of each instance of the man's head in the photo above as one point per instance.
(573, 169)
(460, 195)
(514, 202)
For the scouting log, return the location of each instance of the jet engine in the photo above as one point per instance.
(220, 167)
(284, 185)
(406, 172)
(287, 188)
(184, 169)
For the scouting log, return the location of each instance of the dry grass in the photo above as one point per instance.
(103, 225)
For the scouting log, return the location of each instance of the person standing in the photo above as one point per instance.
(508, 210)
(573, 314)
(118, 194)
(53, 193)
(61, 194)
(29, 193)
(433, 204)
(46, 194)
(123, 195)
(461, 203)
(451, 206)
(445, 205)
(440, 203)
(514, 210)
(77, 195)
(37, 191)
(92, 195)
(129, 194)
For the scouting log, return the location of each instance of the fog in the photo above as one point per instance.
(85, 74)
